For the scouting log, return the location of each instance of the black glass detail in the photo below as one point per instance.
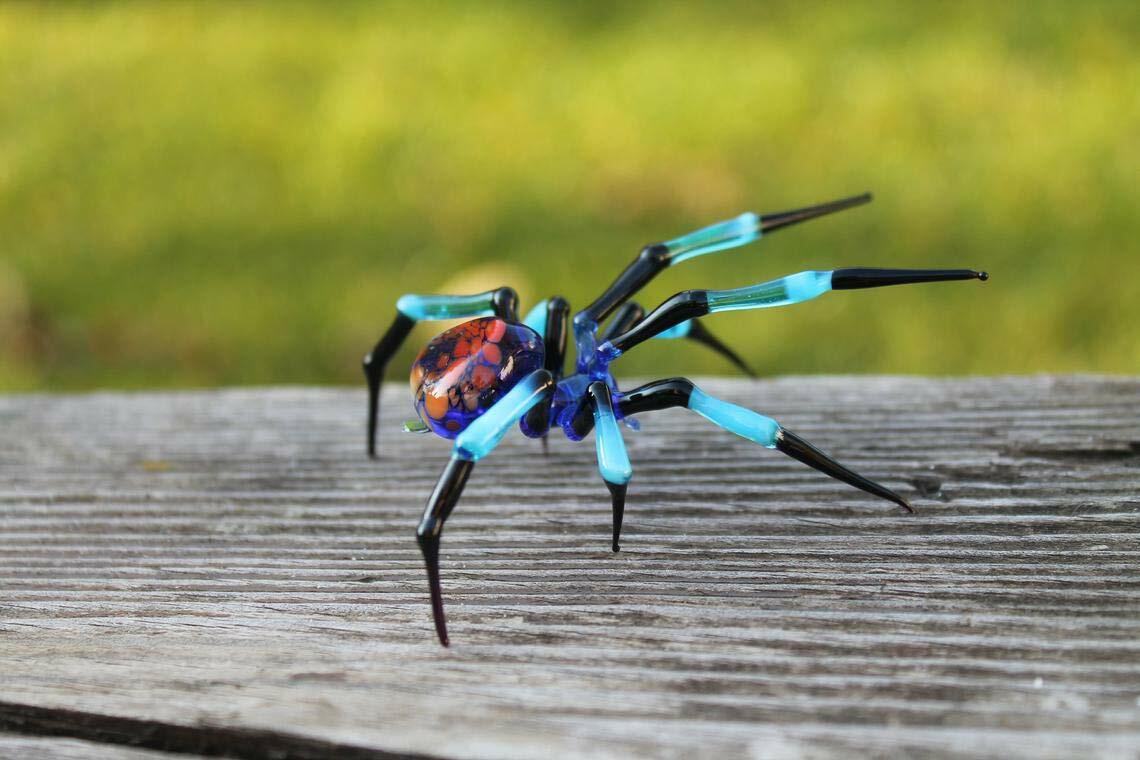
(624, 319)
(797, 448)
(773, 222)
(442, 501)
(687, 304)
(652, 260)
(700, 334)
(537, 420)
(858, 277)
(375, 362)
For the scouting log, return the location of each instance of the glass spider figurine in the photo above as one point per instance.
(473, 382)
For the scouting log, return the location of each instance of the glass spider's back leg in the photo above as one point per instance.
(410, 309)
(631, 312)
(795, 288)
(474, 443)
(658, 257)
(627, 315)
(555, 334)
(613, 460)
(679, 392)
(694, 330)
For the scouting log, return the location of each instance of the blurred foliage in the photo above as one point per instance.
(199, 194)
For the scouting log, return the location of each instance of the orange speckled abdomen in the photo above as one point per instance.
(464, 370)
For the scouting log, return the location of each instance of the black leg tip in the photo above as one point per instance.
(983, 276)
(617, 491)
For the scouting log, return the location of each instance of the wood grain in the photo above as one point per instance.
(229, 563)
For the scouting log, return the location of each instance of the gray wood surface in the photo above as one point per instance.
(227, 568)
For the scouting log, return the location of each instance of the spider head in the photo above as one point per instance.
(463, 371)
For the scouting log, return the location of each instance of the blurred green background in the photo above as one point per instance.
(201, 194)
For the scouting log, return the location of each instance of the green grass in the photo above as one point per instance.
(208, 194)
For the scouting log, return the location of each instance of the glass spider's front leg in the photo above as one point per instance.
(474, 443)
(658, 257)
(679, 392)
(613, 460)
(795, 288)
(410, 309)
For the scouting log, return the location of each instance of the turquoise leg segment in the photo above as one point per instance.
(422, 308)
(735, 419)
(795, 288)
(613, 460)
(536, 318)
(717, 237)
(482, 435)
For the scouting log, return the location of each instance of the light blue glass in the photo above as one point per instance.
(676, 331)
(794, 288)
(728, 234)
(484, 434)
(420, 308)
(536, 318)
(735, 419)
(613, 460)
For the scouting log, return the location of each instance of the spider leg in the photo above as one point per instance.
(679, 392)
(410, 309)
(695, 330)
(555, 331)
(794, 288)
(630, 313)
(613, 460)
(627, 315)
(657, 257)
(474, 443)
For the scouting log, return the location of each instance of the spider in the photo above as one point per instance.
(472, 382)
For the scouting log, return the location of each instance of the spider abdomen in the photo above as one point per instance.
(464, 370)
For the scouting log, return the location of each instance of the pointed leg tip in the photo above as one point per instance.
(906, 506)
(443, 640)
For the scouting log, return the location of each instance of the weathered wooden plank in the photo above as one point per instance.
(40, 748)
(231, 559)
